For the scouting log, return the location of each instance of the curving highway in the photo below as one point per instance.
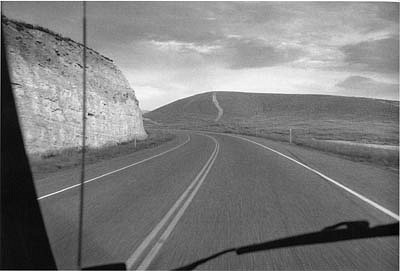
(213, 201)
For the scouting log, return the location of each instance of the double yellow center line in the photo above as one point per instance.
(140, 260)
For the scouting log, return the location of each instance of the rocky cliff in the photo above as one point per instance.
(46, 71)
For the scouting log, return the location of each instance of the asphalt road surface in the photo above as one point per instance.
(209, 201)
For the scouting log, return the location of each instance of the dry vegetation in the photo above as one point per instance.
(312, 139)
(69, 158)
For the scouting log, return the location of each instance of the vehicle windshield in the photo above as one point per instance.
(211, 135)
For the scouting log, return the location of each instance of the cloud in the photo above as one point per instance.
(169, 50)
(255, 53)
(377, 55)
(160, 21)
(233, 52)
(367, 87)
(183, 47)
(389, 11)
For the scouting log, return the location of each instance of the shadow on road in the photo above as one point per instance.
(339, 232)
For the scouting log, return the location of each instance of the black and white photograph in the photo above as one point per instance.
(199, 135)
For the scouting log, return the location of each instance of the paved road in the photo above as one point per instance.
(205, 195)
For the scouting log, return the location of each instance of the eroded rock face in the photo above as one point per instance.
(46, 71)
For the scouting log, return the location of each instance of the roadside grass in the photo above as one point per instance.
(385, 157)
(50, 162)
(314, 138)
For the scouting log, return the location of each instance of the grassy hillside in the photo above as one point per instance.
(326, 117)
(191, 109)
(313, 119)
(251, 105)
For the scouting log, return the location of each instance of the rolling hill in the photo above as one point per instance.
(350, 118)
(349, 126)
(238, 105)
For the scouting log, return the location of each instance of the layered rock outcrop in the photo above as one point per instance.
(46, 71)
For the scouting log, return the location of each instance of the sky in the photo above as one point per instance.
(172, 50)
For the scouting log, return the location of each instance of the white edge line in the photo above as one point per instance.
(114, 171)
(146, 242)
(149, 258)
(365, 199)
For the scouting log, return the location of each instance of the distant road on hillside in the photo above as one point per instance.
(204, 195)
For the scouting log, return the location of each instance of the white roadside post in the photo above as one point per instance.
(135, 139)
(290, 135)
